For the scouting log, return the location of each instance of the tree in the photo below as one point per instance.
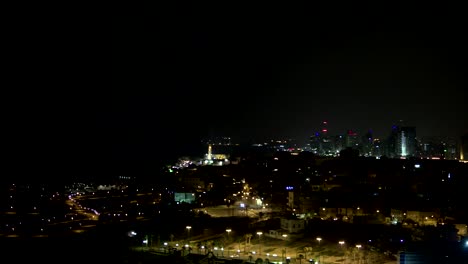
(301, 257)
(307, 249)
(247, 240)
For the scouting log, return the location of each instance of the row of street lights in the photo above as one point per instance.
(228, 230)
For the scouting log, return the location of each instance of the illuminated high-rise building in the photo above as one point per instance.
(464, 147)
(209, 155)
(448, 149)
(326, 143)
(321, 143)
(377, 150)
(367, 143)
(351, 139)
(315, 143)
(406, 142)
(339, 143)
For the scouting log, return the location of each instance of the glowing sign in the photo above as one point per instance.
(289, 188)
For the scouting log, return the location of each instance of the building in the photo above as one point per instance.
(216, 159)
(406, 142)
(292, 225)
(367, 144)
(339, 143)
(464, 147)
(315, 143)
(391, 144)
(351, 139)
(377, 149)
(423, 217)
(321, 143)
(450, 150)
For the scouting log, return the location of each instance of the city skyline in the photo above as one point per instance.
(220, 132)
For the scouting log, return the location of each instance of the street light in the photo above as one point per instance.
(283, 252)
(228, 231)
(319, 239)
(260, 242)
(341, 245)
(354, 254)
(188, 232)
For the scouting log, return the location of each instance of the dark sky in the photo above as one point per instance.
(262, 70)
(181, 73)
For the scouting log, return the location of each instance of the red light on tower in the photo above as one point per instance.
(324, 129)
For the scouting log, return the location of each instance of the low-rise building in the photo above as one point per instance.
(292, 225)
(423, 217)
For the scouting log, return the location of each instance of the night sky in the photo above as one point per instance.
(182, 73)
(265, 71)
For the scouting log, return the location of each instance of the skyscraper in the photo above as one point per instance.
(367, 143)
(391, 146)
(321, 143)
(339, 143)
(406, 142)
(351, 139)
(315, 143)
(464, 147)
(326, 143)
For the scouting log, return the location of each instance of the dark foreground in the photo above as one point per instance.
(97, 246)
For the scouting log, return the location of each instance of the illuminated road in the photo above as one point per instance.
(224, 211)
(84, 214)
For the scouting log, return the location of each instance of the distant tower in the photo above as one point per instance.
(391, 146)
(367, 143)
(464, 147)
(406, 142)
(315, 143)
(351, 139)
(326, 144)
(209, 152)
(324, 127)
